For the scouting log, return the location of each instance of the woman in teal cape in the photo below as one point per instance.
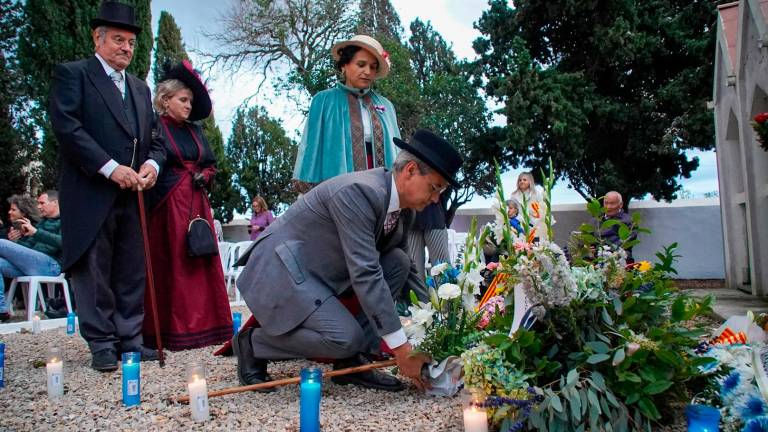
(350, 127)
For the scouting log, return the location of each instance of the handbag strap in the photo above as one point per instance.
(164, 121)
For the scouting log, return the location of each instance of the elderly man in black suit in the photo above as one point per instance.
(103, 121)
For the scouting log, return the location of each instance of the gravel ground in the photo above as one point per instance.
(92, 400)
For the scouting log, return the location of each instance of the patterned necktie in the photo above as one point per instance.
(391, 221)
(117, 78)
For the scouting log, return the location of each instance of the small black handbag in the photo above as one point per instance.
(201, 238)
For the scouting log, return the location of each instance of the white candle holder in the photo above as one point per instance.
(475, 416)
(198, 392)
(54, 367)
(36, 324)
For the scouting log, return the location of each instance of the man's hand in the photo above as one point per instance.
(410, 364)
(125, 177)
(27, 230)
(147, 176)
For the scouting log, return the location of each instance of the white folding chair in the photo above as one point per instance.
(34, 292)
(232, 271)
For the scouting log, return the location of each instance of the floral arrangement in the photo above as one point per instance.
(563, 341)
(760, 125)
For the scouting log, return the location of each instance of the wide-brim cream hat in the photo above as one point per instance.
(369, 44)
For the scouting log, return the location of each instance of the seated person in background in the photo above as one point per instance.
(613, 204)
(32, 249)
(512, 212)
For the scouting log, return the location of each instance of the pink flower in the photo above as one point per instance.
(521, 246)
(492, 266)
(489, 309)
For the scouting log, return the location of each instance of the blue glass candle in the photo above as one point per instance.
(2, 365)
(237, 318)
(702, 418)
(131, 378)
(310, 387)
(71, 323)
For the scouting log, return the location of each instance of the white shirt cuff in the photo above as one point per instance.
(395, 339)
(154, 165)
(108, 167)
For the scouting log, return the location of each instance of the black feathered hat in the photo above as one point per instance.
(201, 100)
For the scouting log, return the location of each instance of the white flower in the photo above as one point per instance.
(421, 315)
(448, 291)
(415, 333)
(436, 270)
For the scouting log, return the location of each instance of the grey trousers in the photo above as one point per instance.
(436, 240)
(108, 281)
(331, 331)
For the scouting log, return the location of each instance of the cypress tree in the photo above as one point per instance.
(169, 47)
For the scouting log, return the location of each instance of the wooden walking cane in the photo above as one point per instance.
(286, 381)
(150, 278)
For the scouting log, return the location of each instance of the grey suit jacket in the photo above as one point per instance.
(328, 241)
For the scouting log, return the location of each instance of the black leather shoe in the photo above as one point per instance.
(104, 360)
(250, 370)
(371, 379)
(147, 354)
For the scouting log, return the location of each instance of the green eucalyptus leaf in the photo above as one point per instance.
(603, 337)
(573, 375)
(606, 316)
(612, 399)
(632, 398)
(618, 306)
(618, 357)
(592, 397)
(556, 404)
(597, 358)
(598, 380)
(598, 347)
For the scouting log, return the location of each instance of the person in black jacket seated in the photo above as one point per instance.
(33, 248)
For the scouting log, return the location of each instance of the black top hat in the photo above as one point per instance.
(435, 152)
(114, 14)
(201, 101)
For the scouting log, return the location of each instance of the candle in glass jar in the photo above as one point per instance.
(475, 419)
(237, 319)
(198, 392)
(71, 323)
(310, 392)
(36, 325)
(54, 368)
(131, 378)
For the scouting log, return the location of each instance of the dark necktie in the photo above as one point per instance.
(391, 221)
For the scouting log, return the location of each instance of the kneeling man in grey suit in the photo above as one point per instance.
(345, 235)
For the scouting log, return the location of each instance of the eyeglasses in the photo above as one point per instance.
(437, 189)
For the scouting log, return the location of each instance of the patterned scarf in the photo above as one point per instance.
(359, 156)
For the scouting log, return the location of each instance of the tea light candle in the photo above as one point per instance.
(2, 365)
(198, 392)
(237, 319)
(36, 325)
(310, 391)
(71, 323)
(54, 367)
(131, 378)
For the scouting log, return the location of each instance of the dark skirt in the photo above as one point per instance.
(192, 301)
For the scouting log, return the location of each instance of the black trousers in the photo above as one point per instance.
(109, 280)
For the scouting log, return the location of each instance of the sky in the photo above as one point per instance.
(453, 19)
